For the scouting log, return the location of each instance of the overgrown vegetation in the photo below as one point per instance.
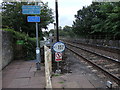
(29, 45)
(96, 21)
(100, 19)
(13, 18)
(16, 23)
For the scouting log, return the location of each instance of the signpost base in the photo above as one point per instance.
(38, 66)
(38, 58)
(58, 71)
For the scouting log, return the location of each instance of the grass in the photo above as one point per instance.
(55, 75)
(61, 82)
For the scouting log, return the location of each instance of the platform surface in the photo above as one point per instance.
(23, 74)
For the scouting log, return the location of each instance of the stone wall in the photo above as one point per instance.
(7, 48)
(111, 43)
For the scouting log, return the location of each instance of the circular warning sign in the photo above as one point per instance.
(59, 47)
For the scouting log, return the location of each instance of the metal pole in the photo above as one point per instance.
(58, 66)
(56, 6)
(37, 48)
(57, 31)
(54, 29)
(37, 35)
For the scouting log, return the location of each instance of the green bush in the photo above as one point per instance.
(29, 44)
(69, 33)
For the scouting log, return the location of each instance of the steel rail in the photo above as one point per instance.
(106, 48)
(114, 60)
(101, 46)
(113, 77)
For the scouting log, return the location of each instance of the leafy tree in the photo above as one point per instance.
(109, 26)
(67, 28)
(0, 20)
(84, 20)
(46, 33)
(13, 18)
(98, 19)
(60, 28)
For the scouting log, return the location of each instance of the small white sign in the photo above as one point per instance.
(37, 51)
(59, 47)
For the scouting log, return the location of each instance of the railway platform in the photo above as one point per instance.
(23, 74)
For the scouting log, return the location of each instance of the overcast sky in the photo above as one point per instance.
(67, 9)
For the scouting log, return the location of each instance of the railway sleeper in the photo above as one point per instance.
(110, 65)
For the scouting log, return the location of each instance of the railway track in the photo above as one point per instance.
(109, 66)
(110, 52)
(107, 48)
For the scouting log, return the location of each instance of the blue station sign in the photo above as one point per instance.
(30, 9)
(33, 18)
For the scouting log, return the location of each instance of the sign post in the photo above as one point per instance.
(58, 47)
(34, 9)
(37, 48)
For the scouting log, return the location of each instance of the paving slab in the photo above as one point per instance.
(71, 81)
(56, 82)
(23, 74)
(95, 81)
(36, 80)
(18, 83)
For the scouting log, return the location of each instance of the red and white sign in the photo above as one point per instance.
(58, 56)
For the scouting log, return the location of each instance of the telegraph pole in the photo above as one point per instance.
(54, 29)
(56, 7)
(57, 31)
